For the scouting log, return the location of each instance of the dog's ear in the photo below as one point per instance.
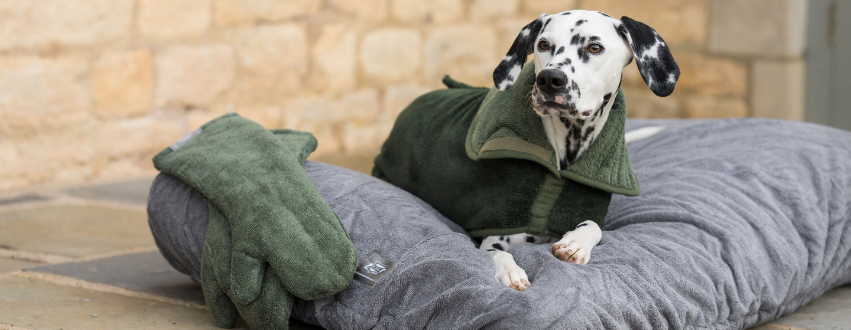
(507, 71)
(652, 56)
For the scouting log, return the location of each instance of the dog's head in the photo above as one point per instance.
(579, 59)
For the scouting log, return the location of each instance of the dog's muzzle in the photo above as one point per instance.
(552, 97)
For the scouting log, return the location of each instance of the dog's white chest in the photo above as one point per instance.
(557, 135)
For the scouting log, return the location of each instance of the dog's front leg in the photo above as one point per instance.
(508, 272)
(576, 245)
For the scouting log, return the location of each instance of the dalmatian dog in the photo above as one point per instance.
(579, 60)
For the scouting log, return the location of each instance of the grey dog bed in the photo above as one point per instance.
(739, 221)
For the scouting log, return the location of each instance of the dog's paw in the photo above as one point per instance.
(508, 273)
(576, 245)
(514, 278)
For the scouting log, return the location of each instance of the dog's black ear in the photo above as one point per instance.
(507, 71)
(652, 56)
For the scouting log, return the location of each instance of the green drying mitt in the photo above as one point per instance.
(271, 234)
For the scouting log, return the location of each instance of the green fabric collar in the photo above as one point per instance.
(507, 127)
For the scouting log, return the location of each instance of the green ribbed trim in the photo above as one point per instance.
(516, 144)
(543, 204)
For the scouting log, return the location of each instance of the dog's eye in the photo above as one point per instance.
(544, 45)
(595, 48)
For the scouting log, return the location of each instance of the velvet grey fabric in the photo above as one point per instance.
(739, 221)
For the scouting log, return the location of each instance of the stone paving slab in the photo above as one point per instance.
(38, 304)
(146, 272)
(133, 192)
(10, 265)
(830, 312)
(74, 230)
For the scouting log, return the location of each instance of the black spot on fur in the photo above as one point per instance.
(579, 22)
(604, 14)
(587, 134)
(530, 239)
(655, 71)
(502, 238)
(560, 50)
(566, 13)
(572, 69)
(498, 246)
(508, 240)
(545, 24)
(575, 40)
(593, 39)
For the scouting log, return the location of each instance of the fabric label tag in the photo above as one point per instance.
(371, 270)
(185, 139)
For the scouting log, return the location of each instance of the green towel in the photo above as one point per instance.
(481, 157)
(264, 210)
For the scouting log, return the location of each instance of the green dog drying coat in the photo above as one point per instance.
(481, 157)
(271, 235)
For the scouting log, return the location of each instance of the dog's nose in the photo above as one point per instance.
(551, 81)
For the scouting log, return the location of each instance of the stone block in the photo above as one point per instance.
(390, 55)
(361, 139)
(272, 58)
(487, 10)
(123, 83)
(137, 137)
(466, 52)
(708, 75)
(74, 230)
(642, 103)
(41, 94)
(333, 60)
(758, 28)
(779, 89)
(398, 97)
(433, 11)
(193, 75)
(538, 7)
(50, 23)
(60, 155)
(312, 112)
(698, 106)
(268, 116)
(195, 118)
(173, 19)
(233, 12)
(372, 11)
(679, 22)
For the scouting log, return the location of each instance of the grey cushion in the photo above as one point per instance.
(739, 221)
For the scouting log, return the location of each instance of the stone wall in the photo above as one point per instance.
(92, 89)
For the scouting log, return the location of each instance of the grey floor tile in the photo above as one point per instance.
(832, 311)
(146, 272)
(129, 192)
(74, 230)
(11, 265)
(36, 304)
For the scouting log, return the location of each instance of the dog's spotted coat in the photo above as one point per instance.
(579, 58)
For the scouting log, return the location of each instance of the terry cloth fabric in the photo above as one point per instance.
(481, 157)
(725, 235)
(264, 211)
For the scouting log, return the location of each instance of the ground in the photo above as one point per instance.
(84, 258)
